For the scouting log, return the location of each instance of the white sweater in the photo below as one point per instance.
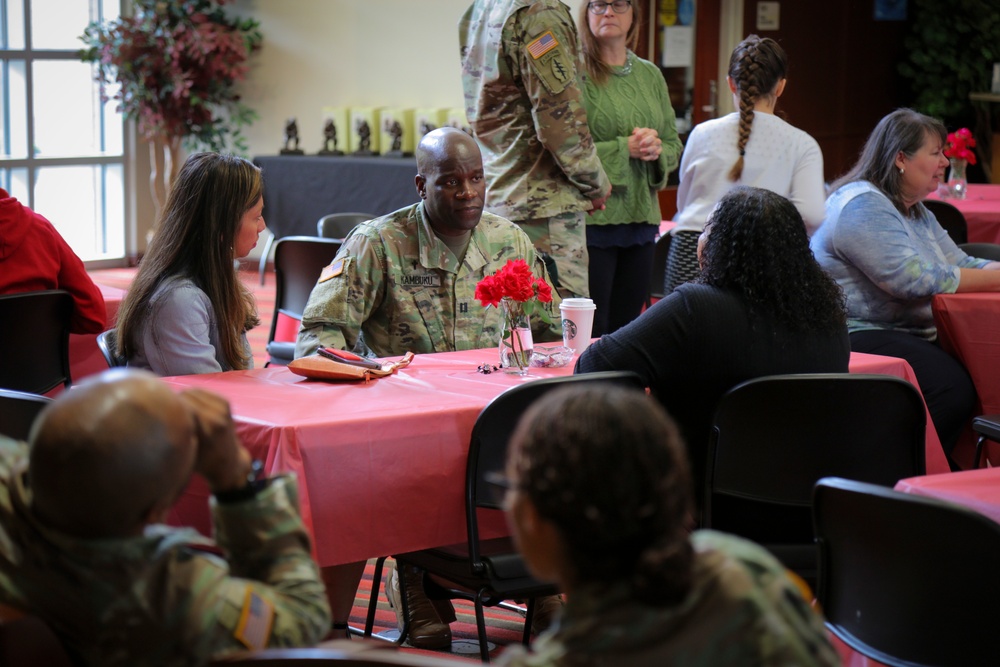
(779, 158)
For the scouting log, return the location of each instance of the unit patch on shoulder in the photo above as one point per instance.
(331, 271)
(254, 628)
(542, 45)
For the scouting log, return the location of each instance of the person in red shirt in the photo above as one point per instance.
(34, 257)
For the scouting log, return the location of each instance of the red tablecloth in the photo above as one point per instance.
(981, 208)
(381, 466)
(84, 356)
(968, 325)
(976, 489)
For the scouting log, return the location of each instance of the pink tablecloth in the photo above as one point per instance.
(381, 466)
(969, 327)
(981, 209)
(976, 489)
(84, 356)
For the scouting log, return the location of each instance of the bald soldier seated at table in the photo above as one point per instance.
(406, 281)
(82, 545)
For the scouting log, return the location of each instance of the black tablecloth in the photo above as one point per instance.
(299, 190)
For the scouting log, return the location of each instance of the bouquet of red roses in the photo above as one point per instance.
(960, 145)
(518, 292)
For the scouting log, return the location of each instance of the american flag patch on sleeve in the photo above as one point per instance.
(254, 628)
(542, 45)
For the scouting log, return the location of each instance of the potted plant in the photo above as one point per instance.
(174, 66)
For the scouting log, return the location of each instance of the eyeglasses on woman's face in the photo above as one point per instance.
(620, 6)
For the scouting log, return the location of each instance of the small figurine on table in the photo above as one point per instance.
(364, 137)
(330, 139)
(395, 130)
(291, 138)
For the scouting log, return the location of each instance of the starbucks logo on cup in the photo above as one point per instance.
(569, 328)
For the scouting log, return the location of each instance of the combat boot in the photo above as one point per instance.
(426, 629)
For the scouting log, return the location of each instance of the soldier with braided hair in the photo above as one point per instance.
(600, 502)
(750, 147)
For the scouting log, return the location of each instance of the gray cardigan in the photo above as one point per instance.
(180, 335)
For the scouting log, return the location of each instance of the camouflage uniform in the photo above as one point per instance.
(741, 610)
(519, 72)
(398, 287)
(158, 598)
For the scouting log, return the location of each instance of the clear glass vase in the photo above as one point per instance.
(957, 183)
(515, 337)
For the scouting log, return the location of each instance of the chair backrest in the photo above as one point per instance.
(339, 225)
(28, 641)
(660, 254)
(298, 262)
(990, 251)
(18, 410)
(907, 580)
(492, 431)
(950, 218)
(34, 340)
(107, 343)
(774, 437)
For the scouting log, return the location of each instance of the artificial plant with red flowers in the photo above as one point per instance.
(960, 145)
(174, 66)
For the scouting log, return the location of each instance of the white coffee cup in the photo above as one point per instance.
(577, 322)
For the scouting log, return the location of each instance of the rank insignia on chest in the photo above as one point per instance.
(331, 271)
(420, 280)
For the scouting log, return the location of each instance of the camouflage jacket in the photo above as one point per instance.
(523, 101)
(741, 610)
(395, 287)
(159, 598)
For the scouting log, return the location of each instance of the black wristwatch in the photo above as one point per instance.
(256, 482)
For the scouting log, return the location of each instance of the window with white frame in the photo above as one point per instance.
(61, 148)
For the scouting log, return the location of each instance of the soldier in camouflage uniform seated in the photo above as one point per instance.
(81, 545)
(406, 282)
(599, 501)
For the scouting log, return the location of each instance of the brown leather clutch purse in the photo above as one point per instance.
(316, 367)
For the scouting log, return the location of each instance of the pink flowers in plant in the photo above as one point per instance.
(960, 145)
(514, 281)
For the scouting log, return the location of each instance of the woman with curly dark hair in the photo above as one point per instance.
(762, 306)
(600, 503)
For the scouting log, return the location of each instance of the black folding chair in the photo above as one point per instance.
(18, 410)
(906, 580)
(773, 437)
(950, 218)
(34, 340)
(298, 262)
(339, 225)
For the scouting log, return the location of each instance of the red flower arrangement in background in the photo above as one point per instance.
(518, 293)
(960, 145)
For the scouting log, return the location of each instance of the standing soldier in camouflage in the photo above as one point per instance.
(406, 281)
(519, 72)
(81, 546)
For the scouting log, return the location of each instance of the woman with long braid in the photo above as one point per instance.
(749, 147)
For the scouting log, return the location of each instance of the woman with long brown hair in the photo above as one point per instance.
(633, 126)
(187, 312)
(752, 147)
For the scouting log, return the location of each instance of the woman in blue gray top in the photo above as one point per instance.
(187, 312)
(890, 256)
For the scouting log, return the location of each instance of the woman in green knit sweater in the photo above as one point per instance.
(632, 122)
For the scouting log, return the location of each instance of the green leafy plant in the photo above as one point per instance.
(174, 66)
(951, 49)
